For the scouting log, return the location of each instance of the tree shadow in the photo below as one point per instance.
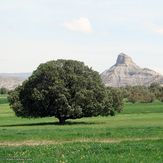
(52, 123)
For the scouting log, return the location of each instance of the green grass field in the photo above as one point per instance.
(135, 135)
(3, 99)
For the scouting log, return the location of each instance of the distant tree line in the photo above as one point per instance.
(4, 90)
(143, 94)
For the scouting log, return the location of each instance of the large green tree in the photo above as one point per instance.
(117, 99)
(65, 89)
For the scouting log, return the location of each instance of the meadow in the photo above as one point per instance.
(135, 135)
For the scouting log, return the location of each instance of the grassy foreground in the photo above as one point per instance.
(136, 135)
(140, 151)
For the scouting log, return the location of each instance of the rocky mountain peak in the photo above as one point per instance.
(126, 73)
(124, 59)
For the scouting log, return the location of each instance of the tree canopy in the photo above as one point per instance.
(65, 89)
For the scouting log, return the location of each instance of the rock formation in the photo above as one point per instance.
(11, 81)
(126, 73)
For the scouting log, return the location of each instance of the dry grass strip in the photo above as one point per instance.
(53, 142)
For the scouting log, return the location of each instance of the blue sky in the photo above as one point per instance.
(93, 31)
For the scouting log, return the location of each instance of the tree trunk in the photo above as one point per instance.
(62, 121)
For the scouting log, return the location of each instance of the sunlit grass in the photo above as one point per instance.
(136, 135)
(137, 151)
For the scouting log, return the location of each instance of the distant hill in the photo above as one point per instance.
(12, 80)
(126, 73)
(19, 75)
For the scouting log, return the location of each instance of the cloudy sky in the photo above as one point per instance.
(93, 31)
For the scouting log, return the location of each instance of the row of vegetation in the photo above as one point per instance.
(3, 91)
(143, 94)
(132, 94)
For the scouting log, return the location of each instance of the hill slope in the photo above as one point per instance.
(12, 80)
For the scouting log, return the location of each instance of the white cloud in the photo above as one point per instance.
(154, 28)
(159, 30)
(82, 24)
